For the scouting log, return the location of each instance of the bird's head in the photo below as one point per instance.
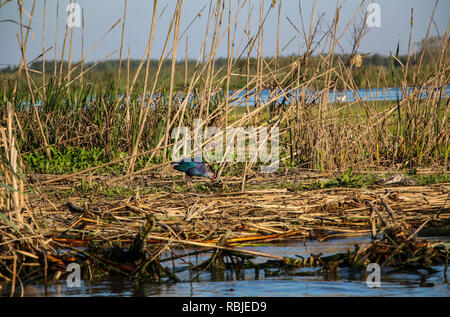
(211, 173)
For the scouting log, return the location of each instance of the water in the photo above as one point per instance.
(338, 96)
(309, 95)
(344, 283)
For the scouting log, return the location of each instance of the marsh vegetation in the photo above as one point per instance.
(99, 134)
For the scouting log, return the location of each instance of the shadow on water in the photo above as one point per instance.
(249, 282)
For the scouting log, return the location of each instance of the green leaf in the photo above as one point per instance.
(8, 222)
(8, 187)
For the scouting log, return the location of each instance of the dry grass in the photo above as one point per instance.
(251, 214)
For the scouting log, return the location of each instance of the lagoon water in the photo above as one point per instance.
(238, 98)
(338, 96)
(246, 283)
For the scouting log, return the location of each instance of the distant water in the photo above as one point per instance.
(310, 96)
(338, 96)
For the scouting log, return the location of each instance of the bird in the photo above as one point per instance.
(193, 168)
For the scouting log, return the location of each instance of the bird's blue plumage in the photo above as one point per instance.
(192, 168)
(184, 166)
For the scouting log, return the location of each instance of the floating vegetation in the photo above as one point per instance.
(127, 238)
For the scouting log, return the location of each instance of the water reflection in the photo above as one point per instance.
(255, 283)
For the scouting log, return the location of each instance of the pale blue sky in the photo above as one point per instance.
(101, 14)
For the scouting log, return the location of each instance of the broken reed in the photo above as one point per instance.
(11, 180)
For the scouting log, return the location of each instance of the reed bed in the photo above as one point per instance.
(105, 236)
(275, 213)
(51, 110)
